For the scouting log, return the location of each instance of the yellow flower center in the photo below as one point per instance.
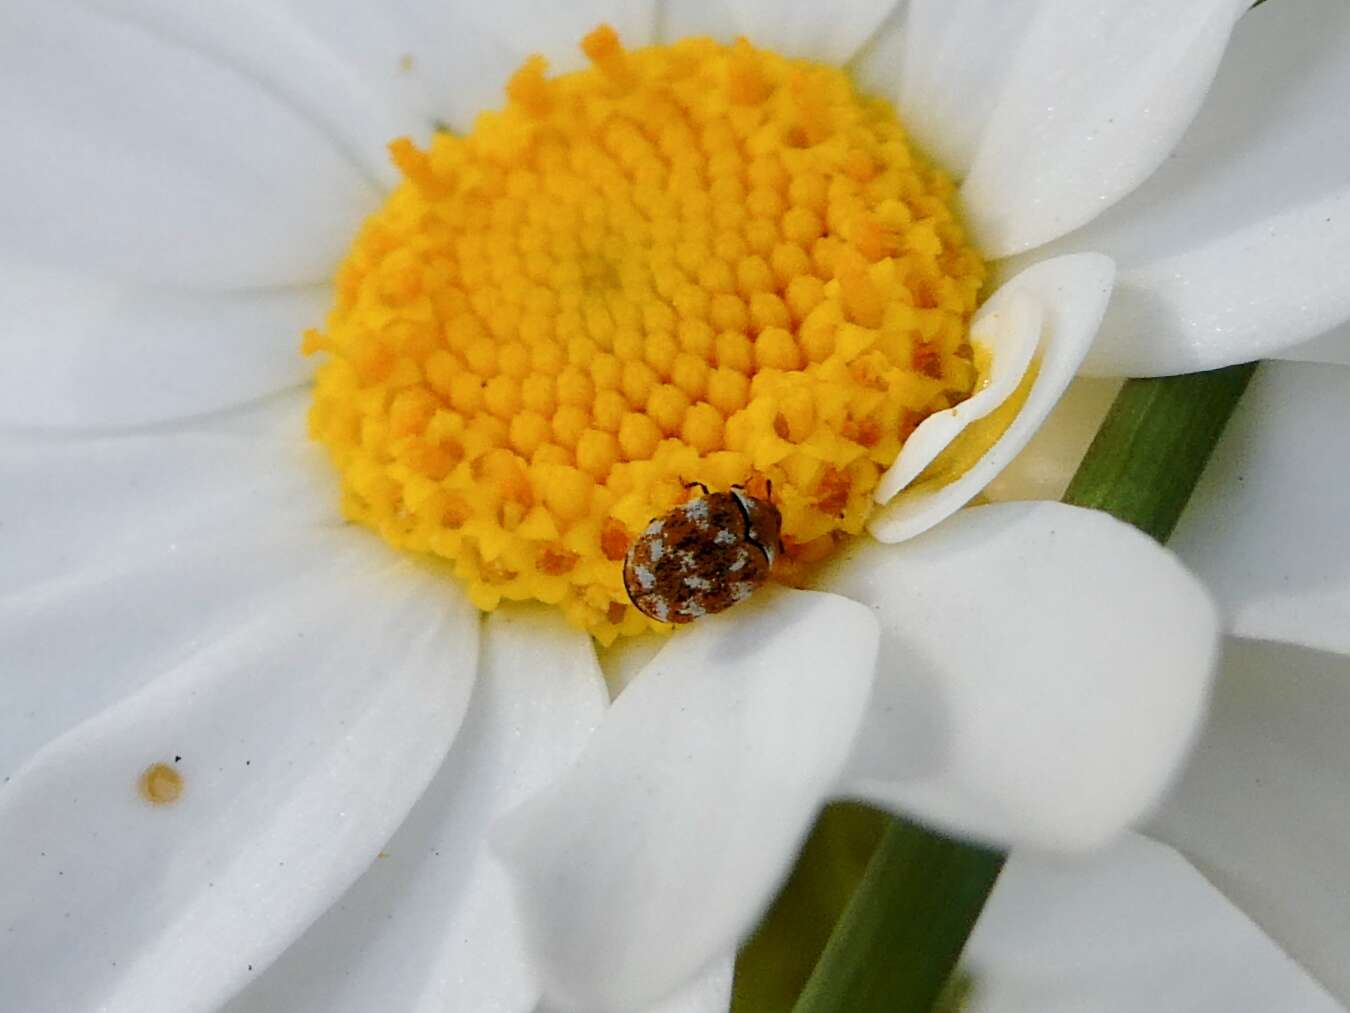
(688, 263)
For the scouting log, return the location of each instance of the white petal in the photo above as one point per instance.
(1043, 470)
(556, 29)
(458, 87)
(85, 352)
(1071, 293)
(627, 657)
(681, 19)
(429, 927)
(426, 60)
(489, 41)
(1266, 526)
(398, 57)
(1127, 929)
(98, 534)
(1010, 328)
(699, 786)
(710, 992)
(944, 65)
(137, 615)
(368, 72)
(141, 159)
(1261, 808)
(72, 502)
(355, 103)
(798, 28)
(831, 33)
(1232, 250)
(1253, 292)
(1097, 96)
(1045, 667)
(306, 731)
(1332, 347)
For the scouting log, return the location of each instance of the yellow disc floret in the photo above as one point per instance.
(688, 263)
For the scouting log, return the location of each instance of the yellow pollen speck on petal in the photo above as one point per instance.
(160, 784)
(687, 263)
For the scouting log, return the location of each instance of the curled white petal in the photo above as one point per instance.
(1071, 293)
(1010, 330)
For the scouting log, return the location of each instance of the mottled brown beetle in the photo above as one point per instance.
(704, 556)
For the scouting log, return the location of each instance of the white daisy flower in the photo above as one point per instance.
(253, 758)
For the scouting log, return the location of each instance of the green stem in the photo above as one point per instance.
(1149, 453)
(900, 935)
(903, 930)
